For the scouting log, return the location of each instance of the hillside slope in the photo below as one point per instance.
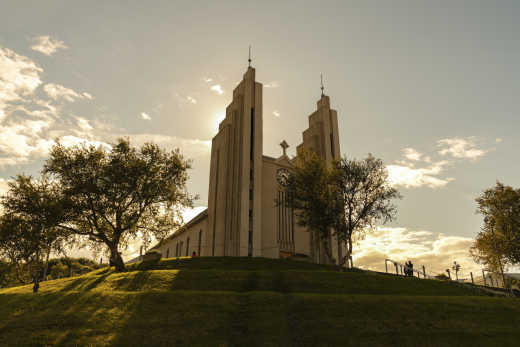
(253, 302)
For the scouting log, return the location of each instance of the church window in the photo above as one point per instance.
(167, 253)
(188, 246)
(252, 146)
(200, 242)
(332, 144)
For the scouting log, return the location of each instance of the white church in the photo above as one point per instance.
(242, 218)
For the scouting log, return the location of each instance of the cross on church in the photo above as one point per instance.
(284, 146)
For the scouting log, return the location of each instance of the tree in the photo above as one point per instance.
(365, 196)
(456, 268)
(115, 195)
(311, 194)
(28, 229)
(498, 242)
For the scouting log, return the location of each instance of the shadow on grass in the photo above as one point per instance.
(93, 282)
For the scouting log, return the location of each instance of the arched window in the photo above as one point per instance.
(188, 246)
(167, 253)
(200, 242)
(177, 249)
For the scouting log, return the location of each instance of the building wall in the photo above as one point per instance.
(235, 185)
(242, 217)
(197, 232)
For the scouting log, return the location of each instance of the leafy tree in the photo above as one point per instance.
(312, 196)
(28, 229)
(365, 196)
(115, 194)
(6, 274)
(498, 242)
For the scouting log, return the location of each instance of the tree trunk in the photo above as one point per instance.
(46, 268)
(327, 247)
(117, 260)
(340, 253)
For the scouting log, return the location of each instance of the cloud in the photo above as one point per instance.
(70, 141)
(409, 177)
(47, 45)
(145, 116)
(411, 154)
(276, 113)
(272, 84)
(189, 147)
(499, 139)
(217, 89)
(19, 77)
(87, 96)
(57, 92)
(191, 99)
(435, 251)
(19, 142)
(207, 79)
(460, 148)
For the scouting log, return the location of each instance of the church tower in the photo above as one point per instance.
(322, 134)
(322, 138)
(235, 192)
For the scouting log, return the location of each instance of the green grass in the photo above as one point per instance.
(253, 302)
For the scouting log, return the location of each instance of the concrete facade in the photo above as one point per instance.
(242, 218)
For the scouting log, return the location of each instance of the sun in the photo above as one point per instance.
(219, 117)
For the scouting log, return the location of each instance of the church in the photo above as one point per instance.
(242, 218)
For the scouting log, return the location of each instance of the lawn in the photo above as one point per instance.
(253, 302)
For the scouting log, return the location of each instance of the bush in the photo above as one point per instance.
(152, 256)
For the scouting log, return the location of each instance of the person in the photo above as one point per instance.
(410, 268)
(194, 254)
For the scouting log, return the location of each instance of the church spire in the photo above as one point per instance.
(322, 88)
(249, 59)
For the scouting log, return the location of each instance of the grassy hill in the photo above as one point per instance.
(253, 302)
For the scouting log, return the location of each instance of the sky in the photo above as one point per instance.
(430, 87)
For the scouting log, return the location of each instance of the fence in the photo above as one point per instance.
(486, 278)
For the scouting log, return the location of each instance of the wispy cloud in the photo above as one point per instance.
(499, 139)
(57, 91)
(217, 89)
(412, 154)
(461, 148)
(207, 79)
(276, 113)
(47, 45)
(406, 175)
(19, 77)
(191, 99)
(145, 116)
(191, 148)
(272, 84)
(419, 170)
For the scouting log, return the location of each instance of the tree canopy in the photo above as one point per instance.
(313, 197)
(498, 242)
(348, 197)
(366, 197)
(29, 233)
(118, 194)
